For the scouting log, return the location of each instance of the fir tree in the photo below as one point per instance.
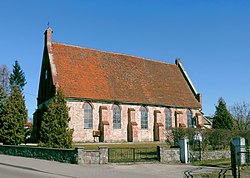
(14, 118)
(3, 98)
(55, 132)
(222, 119)
(17, 77)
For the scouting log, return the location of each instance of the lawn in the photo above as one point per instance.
(214, 163)
(94, 146)
(212, 168)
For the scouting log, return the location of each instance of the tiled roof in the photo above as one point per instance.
(92, 74)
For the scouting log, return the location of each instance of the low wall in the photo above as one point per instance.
(172, 155)
(60, 155)
(213, 155)
(169, 155)
(100, 156)
(73, 156)
(92, 156)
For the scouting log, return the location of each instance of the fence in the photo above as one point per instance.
(240, 158)
(195, 150)
(147, 154)
(105, 155)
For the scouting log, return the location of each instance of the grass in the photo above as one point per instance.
(245, 171)
(94, 146)
(212, 172)
(214, 163)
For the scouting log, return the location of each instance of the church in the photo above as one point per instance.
(115, 97)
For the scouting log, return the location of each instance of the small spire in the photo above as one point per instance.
(48, 24)
(48, 38)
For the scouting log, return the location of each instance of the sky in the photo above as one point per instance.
(211, 38)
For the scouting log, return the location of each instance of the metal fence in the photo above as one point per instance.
(240, 160)
(146, 154)
(195, 151)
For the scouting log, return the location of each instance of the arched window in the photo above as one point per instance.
(189, 119)
(168, 119)
(144, 118)
(116, 117)
(88, 116)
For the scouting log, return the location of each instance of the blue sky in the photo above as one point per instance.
(211, 37)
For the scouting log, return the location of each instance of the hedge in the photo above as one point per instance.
(212, 139)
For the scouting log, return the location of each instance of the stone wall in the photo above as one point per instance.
(55, 154)
(213, 155)
(169, 155)
(103, 155)
(172, 155)
(88, 157)
(100, 156)
(92, 156)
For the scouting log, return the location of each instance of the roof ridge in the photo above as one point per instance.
(116, 53)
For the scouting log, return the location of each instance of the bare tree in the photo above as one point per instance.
(4, 77)
(241, 114)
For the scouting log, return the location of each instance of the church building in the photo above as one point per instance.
(115, 97)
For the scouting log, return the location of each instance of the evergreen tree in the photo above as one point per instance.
(55, 132)
(222, 119)
(3, 98)
(17, 77)
(14, 118)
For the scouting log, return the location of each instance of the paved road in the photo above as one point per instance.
(20, 167)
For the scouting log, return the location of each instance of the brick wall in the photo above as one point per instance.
(80, 134)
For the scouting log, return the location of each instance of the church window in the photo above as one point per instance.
(168, 119)
(88, 116)
(144, 118)
(116, 117)
(189, 119)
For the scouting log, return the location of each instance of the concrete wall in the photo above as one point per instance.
(80, 134)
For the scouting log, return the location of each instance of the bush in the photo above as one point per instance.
(212, 139)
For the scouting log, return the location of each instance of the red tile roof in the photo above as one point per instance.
(92, 74)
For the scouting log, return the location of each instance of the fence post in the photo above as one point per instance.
(79, 156)
(184, 150)
(240, 146)
(237, 157)
(103, 152)
(133, 151)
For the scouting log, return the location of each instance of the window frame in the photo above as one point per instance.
(190, 119)
(116, 117)
(144, 118)
(88, 116)
(168, 117)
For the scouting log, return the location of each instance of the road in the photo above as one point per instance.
(19, 167)
(7, 171)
